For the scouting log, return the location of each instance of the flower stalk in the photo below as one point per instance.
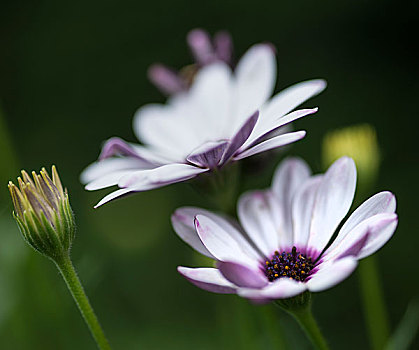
(43, 213)
(299, 307)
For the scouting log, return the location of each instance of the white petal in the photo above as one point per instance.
(114, 195)
(107, 180)
(364, 239)
(162, 175)
(209, 279)
(211, 95)
(331, 274)
(333, 200)
(288, 177)
(383, 202)
(265, 127)
(290, 98)
(274, 142)
(184, 225)
(302, 211)
(166, 128)
(242, 276)
(257, 211)
(255, 79)
(220, 243)
(280, 289)
(104, 167)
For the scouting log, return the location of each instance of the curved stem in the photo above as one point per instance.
(69, 274)
(307, 322)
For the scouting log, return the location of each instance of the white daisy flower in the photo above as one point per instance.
(282, 247)
(225, 116)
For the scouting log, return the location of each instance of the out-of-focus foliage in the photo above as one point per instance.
(73, 74)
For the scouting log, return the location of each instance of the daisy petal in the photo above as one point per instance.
(290, 98)
(184, 223)
(280, 289)
(117, 146)
(274, 142)
(163, 175)
(288, 177)
(242, 275)
(257, 211)
(110, 179)
(209, 279)
(302, 211)
(165, 79)
(208, 155)
(220, 243)
(383, 202)
(333, 200)
(331, 274)
(114, 195)
(103, 167)
(255, 78)
(200, 44)
(364, 239)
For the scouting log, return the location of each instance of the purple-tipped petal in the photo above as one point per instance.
(116, 146)
(223, 45)
(165, 79)
(333, 200)
(209, 279)
(331, 274)
(241, 275)
(208, 155)
(200, 44)
(272, 143)
(240, 137)
(107, 180)
(220, 243)
(280, 289)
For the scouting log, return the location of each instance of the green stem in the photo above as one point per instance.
(299, 307)
(309, 325)
(69, 274)
(373, 301)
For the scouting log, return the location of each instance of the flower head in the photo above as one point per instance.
(282, 247)
(43, 212)
(225, 116)
(204, 50)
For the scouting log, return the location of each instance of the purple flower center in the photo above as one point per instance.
(288, 264)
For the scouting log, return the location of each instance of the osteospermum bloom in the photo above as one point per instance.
(281, 247)
(225, 116)
(204, 50)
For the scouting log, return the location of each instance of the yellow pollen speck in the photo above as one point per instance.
(276, 275)
(276, 266)
(303, 265)
(303, 272)
(286, 267)
(267, 263)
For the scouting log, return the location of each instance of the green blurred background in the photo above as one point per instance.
(73, 74)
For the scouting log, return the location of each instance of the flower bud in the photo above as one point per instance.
(43, 213)
(360, 143)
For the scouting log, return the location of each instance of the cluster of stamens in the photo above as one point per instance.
(292, 264)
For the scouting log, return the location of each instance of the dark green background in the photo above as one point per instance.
(73, 73)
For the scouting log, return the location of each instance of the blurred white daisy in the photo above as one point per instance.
(225, 116)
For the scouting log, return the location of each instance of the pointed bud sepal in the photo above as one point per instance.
(43, 213)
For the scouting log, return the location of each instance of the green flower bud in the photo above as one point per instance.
(43, 213)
